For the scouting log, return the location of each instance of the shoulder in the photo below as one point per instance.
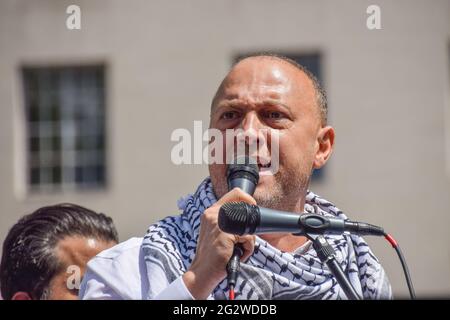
(117, 273)
(126, 249)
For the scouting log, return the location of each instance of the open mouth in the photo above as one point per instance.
(264, 166)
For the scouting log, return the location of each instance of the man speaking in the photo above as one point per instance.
(185, 256)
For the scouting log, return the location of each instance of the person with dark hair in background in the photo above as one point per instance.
(45, 253)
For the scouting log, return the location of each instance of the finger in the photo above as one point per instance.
(236, 195)
(248, 244)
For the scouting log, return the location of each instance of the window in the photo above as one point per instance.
(65, 117)
(312, 62)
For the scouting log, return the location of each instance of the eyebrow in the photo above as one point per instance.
(233, 104)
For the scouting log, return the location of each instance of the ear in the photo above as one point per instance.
(324, 146)
(21, 296)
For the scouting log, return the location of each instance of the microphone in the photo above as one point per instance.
(242, 218)
(244, 174)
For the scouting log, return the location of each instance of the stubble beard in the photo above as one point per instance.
(286, 192)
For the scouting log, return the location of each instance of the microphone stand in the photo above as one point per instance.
(327, 255)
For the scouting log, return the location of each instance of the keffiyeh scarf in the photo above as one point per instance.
(169, 249)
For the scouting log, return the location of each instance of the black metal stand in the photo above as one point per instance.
(327, 255)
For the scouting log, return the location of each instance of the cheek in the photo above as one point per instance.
(217, 170)
(295, 149)
(217, 173)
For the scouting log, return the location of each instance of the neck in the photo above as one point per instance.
(284, 242)
(287, 242)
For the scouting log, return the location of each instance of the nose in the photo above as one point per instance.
(249, 128)
(251, 124)
(251, 134)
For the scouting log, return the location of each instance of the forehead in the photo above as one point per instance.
(77, 250)
(259, 71)
(265, 77)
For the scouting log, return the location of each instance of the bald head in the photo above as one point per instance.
(302, 74)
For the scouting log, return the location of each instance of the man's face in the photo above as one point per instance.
(73, 253)
(269, 94)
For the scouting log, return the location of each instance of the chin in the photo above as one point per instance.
(267, 181)
(265, 190)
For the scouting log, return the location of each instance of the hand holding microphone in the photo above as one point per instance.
(243, 174)
(215, 248)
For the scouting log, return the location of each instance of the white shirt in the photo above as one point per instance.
(120, 273)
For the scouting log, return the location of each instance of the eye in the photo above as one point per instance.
(274, 115)
(229, 115)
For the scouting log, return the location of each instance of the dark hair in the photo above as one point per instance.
(29, 261)
(321, 97)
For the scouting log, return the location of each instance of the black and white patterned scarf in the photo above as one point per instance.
(169, 249)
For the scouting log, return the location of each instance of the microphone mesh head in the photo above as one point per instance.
(238, 218)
